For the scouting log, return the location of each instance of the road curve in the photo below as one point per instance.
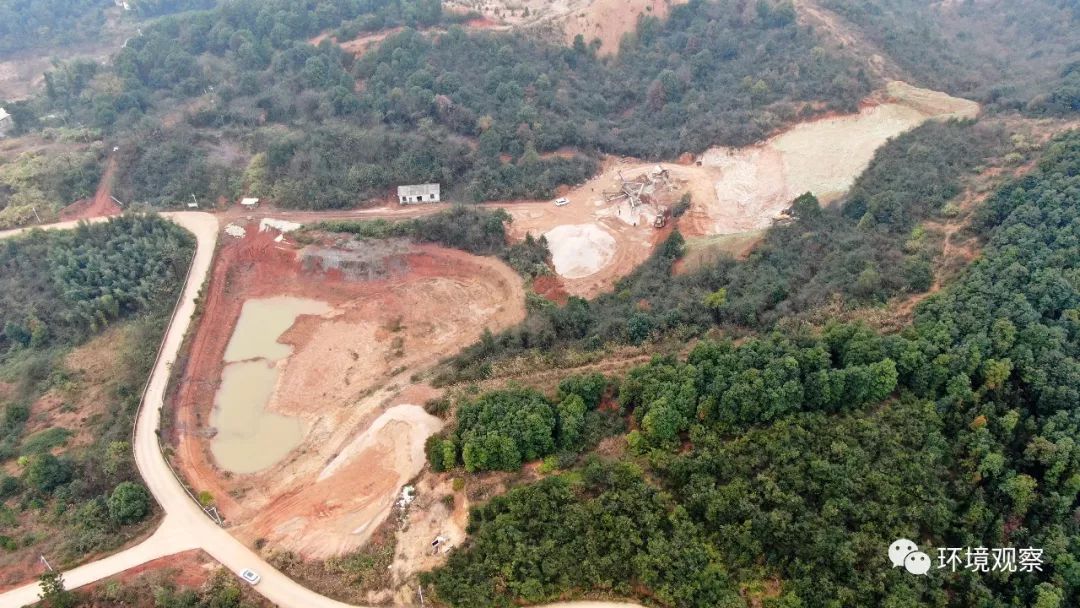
(185, 526)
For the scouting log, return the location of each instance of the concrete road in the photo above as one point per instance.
(185, 526)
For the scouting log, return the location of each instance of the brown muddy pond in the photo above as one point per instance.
(249, 437)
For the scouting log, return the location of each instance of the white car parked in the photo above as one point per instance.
(250, 576)
(562, 202)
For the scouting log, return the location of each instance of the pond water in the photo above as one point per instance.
(262, 322)
(250, 438)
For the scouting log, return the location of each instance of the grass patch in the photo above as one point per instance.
(44, 441)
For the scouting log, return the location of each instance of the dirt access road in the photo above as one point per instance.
(185, 526)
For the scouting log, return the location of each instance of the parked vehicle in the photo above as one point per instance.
(250, 576)
(562, 202)
(661, 219)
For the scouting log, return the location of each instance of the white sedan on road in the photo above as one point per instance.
(250, 576)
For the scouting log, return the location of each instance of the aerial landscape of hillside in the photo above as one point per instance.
(561, 303)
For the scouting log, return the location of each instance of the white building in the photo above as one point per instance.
(5, 122)
(424, 193)
(249, 203)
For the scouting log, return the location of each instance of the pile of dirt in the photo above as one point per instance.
(550, 287)
(188, 569)
(589, 223)
(581, 250)
(931, 103)
(361, 262)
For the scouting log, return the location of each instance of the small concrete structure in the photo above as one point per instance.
(423, 193)
(6, 122)
(249, 203)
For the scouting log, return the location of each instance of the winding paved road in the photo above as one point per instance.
(185, 526)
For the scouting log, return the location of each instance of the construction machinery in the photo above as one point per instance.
(640, 190)
(663, 214)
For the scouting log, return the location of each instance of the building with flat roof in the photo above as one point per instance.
(423, 193)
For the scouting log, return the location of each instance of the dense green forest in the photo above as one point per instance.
(1008, 54)
(156, 8)
(36, 23)
(62, 287)
(783, 466)
(865, 250)
(604, 529)
(710, 74)
(312, 126)
(503, 429)
(70, 488)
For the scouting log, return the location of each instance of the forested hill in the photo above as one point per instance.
(786, 465)
(82, 313)
(36, 24)
(491, 115)
(1008, 54)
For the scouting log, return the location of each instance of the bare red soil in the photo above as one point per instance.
(346, 370)
(101, 205)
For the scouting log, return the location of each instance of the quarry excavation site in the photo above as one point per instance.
(298, 413)
(600, 237)
(279, 439)
(297, 410)
(604, 20)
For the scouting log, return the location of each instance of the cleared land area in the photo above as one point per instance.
(736, 192)
(63, 421)
(755, 185)
(593, 242)
(393, 309)
(604, 20)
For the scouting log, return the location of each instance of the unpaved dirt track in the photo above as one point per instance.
(185, 526)
(101, 204)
